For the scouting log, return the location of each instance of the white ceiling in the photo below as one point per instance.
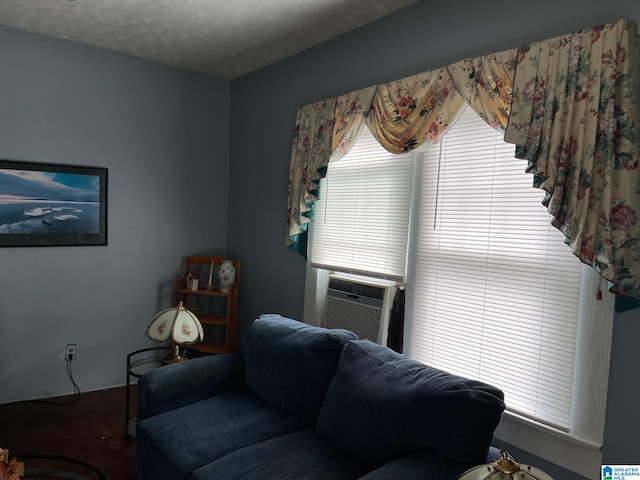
(224, 38)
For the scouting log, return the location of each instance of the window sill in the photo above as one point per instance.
(576, 454)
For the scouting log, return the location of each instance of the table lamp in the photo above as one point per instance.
(504, 469)
(180, 324)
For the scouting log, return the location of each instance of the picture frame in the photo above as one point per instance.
(49, 204)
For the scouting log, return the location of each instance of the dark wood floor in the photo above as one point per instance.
(91, 430)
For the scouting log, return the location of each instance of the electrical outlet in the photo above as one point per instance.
(70, 353)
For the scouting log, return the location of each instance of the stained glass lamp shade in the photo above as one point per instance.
(179, 324)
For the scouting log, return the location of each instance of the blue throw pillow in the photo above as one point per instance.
(290, 364)
(382, 405)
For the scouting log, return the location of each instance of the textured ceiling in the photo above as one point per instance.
(224, 38)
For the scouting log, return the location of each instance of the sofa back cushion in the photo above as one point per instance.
(290, 364)
(382, 405)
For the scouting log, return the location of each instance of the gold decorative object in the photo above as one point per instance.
(10, 469)
(505, 468)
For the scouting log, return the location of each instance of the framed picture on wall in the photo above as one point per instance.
(46, 204)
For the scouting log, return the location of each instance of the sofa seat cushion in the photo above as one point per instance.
(175, 443)
(381, 406)
(420, 466)
(290, 364)
(302, 455)
(426, 465)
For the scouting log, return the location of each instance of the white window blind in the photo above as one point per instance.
(496, 292)
(361, 220)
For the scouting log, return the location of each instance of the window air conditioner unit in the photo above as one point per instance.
(359, 306)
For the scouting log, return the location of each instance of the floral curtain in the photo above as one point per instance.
(574, 117)
(415, 109)
(486, 83)
(351, 112)
(310, 152)
(569, 104)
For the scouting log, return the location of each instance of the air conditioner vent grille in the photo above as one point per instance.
(359, 289)
(360, 306)
(363, 320)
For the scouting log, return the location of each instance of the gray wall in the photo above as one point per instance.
(163, 133)
(422, 37)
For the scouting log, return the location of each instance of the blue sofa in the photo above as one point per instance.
(302, 402)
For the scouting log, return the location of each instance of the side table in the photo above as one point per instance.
(139, 363)
(54, 467)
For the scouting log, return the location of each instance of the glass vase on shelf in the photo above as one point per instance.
(227, 275)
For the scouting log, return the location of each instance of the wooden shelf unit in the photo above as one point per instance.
(212, 307)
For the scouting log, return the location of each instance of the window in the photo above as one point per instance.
(494, 294)
(361, 222)
(497, 295)
(494, 285)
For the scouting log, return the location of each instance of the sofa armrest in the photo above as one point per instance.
(176, 385)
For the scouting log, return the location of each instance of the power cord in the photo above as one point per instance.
(76, 390)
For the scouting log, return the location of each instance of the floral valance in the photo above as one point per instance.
(568, 103)
(402, 115)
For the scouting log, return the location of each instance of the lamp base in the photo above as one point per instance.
(175, 358)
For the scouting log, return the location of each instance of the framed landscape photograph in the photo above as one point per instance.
(46, 204)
